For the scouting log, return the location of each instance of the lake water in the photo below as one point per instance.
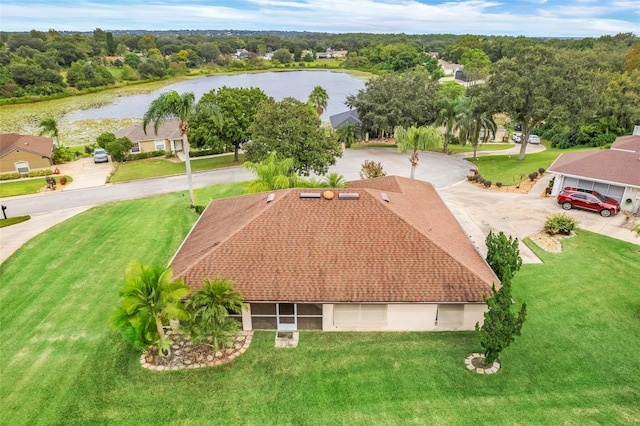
(278, 85)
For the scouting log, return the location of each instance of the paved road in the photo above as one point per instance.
(478, 210)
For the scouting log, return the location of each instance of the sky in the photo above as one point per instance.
(532, 18)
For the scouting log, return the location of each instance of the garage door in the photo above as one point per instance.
(614, 191)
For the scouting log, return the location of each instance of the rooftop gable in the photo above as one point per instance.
(627, 143)
(168, 129)
(608, 165)
(38, 145)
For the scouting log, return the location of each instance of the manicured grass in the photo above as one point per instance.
(154, 167)
(25, 186)
(13, 220)
(509, 170)
(576, 362)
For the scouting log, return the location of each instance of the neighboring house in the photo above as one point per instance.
(386, 254)
(240, 54)
(613, 172)
(167, 139)
(330, 54)
(448, 67)
(350, 116)
(24, 153)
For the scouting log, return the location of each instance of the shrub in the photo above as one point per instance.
(371, 169)
(533, 176)
(499, 184)
(199, 208)
(560, 224)
(63, 180)
(38, 173)
(10, 176)
(541, 170)
(487, 183)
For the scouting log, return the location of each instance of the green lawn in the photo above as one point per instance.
(13, 220)
(154, 167)
(576, 363)
(509, 170)
(25, 186)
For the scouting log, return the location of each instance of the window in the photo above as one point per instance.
(274, 316)
(22, 167)
(359, 315)
(160, 146)
(135, 148)
(450, 315)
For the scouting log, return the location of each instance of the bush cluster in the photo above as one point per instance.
(533, 176)
(560, 224)
(203, 152)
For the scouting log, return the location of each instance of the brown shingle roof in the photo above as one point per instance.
(35, 144)
(410, 249)
(168, 129)
(609, 165)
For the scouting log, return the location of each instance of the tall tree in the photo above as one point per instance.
(501, 324)
(392, 100)
(348, 133)
(238, 106)
(148, 300)
(49, 126)
(503, 254)
(522, 87)
(416, 139)
(184, 108)
(209, 309)
(319, 99)
(292, 129)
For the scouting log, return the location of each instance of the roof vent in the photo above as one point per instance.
(384, 196)
(328, 195)
(270, 197)
(310, 195)
(348, 196)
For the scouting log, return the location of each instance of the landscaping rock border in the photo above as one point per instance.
(185, 355)
(479, 360)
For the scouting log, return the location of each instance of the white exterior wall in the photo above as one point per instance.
(246, 318)
(409, 317)
(634, 195)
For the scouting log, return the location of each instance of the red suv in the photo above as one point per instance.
(588, 200)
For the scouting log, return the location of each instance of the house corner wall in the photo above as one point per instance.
(246, 318)
(474, 314)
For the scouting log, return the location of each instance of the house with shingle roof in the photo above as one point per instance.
(349, 116)
(167, 138)
(613, 172)
(24, 153)
(385, 254)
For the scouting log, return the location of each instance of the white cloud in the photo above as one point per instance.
(574, 18)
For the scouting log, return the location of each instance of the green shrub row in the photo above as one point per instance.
(143, 155)
(35, 173)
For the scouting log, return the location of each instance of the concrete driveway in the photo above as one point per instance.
(85, 173)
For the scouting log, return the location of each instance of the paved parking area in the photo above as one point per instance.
(85, 173)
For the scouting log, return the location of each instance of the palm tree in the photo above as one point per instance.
(272, 174)
(347, 134)
(417, 139)
(50, 126)
(149, 299)
(184, 108)
(210, 308)
(319, 99)
(334, 180)
(447, 117)
(474, 125)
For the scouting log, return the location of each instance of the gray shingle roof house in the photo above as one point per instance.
(23, 153)
(613, 172)
(167, 138)
(384, 254)
(350, 116)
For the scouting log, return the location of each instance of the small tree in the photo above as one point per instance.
(149, 299)
(371, 169)
(119, 148)
(50, 126)
(416, 139)
(334, 180)
(503, 254)
(272, 173)
(209, 309)
(501, 323)
(104, 139)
